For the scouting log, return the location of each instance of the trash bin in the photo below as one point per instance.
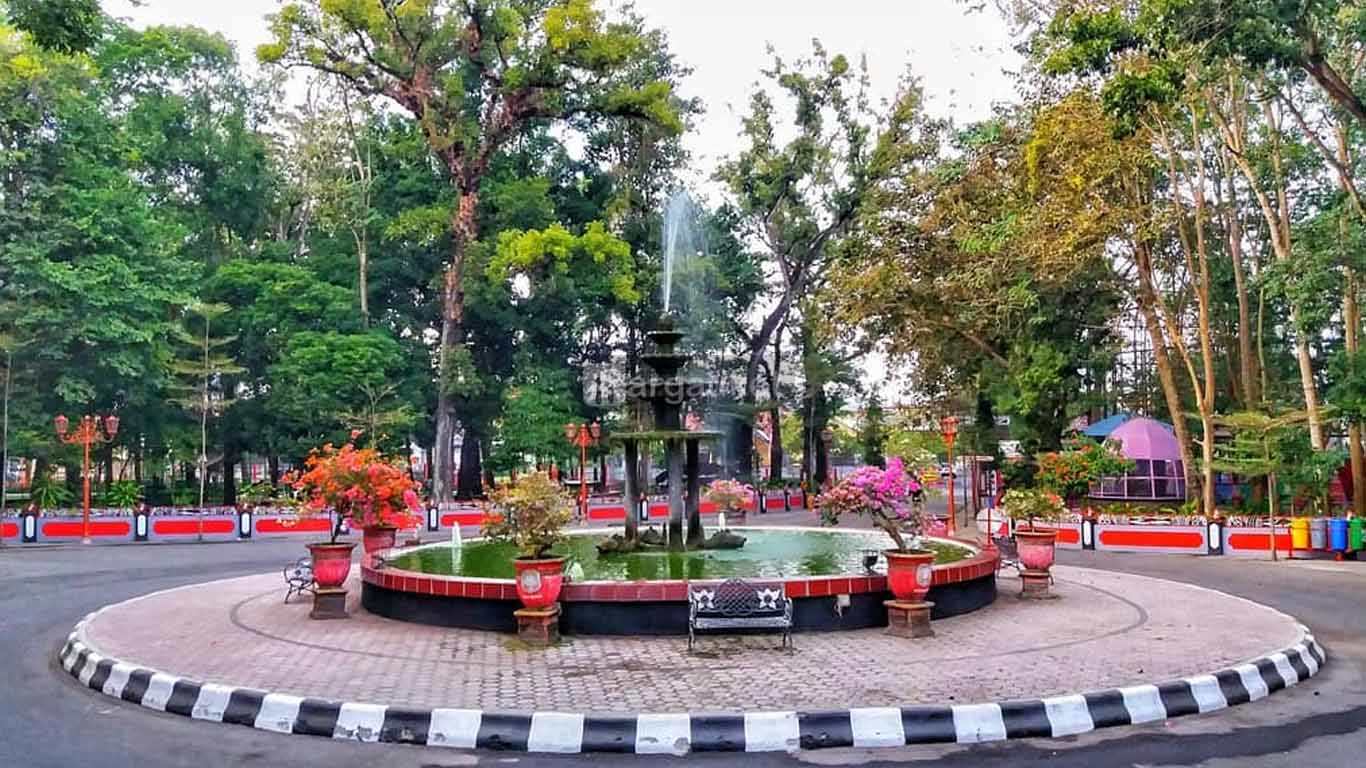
(1299, 533)
(1354, 533)
(1318, 533)
(1337, 534)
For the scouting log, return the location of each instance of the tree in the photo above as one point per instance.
(795, 199)
(476, 76)
(203, 388)
(64, 26)
(873, 433)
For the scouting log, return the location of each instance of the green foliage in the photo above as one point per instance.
(532, 514)
(64, 26)
(122, 494)
(47, 492)
(1071, 472)
(873, 433)
(598, 262)
(1033, 505)
(536, 406)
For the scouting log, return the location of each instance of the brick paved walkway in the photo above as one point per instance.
(1106, 630)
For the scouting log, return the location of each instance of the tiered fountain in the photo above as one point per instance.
(666, 392)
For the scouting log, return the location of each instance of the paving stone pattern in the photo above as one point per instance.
(1105, 630)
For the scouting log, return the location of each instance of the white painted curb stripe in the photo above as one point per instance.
(668, 734)
(1068, 715)
(1208, 695)
(772, 732)
(973, 723)
(1288, 673)
(159, 691)
(279, 712)
(877, 727)
(118, 678)
(1144, 704)
(555, 732)
(213, 699)
(457, 728)
(360, 722)
(1252, 681)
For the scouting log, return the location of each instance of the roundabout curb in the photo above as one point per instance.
(683, 732)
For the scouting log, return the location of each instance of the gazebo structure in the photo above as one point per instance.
(1158, 474)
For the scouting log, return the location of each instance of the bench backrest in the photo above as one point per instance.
(737, 597)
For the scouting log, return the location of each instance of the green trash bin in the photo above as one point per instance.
(1354, 534)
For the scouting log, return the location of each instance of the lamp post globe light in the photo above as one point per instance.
(87, 433)
(948, 429)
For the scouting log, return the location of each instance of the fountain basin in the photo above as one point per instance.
(646, 593)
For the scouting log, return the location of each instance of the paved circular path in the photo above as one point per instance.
(1106, 630)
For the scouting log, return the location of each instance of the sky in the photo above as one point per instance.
(962, 58)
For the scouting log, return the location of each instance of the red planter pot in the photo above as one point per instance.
(331, 563)
(539, 581)
(378, 537)
(909, 574)
(1036, 548)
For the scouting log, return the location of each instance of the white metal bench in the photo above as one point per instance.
(739, 604)
(299, 577)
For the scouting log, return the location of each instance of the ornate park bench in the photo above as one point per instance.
(299, 577)
(739, 604)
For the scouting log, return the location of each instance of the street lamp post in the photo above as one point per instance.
(87, 433)
(948, 428)
(582, 436)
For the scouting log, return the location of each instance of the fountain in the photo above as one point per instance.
(634, 582)
(666, 393)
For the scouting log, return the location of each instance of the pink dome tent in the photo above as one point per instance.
(1158, 473)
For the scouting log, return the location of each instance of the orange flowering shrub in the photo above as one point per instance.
(1070, 472)
(361, 485)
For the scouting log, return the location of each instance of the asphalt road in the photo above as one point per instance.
(46, 719)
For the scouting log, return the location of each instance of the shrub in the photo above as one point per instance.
(531, 514)
(729, 495)
(1032, 504)
(882, 495)
(360, 484)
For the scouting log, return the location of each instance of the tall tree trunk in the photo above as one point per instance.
(775, 415)
(758, 345)
(230, 461)
(1247, 360)
(470, 479)
(1275, 209)
(363, 274)
(464, 228)
(1166, 373)
(1351, 321)
(630, 492)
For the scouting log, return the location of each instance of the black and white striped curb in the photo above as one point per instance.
(679, 733)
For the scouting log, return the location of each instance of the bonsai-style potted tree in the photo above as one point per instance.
(1028, 506)
(367, 491)
(729, 496)
(532, 514)
(884, 496)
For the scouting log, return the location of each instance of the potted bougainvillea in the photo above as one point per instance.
(366, 490)
(1027, 507)
(532, 514)
(884, 497)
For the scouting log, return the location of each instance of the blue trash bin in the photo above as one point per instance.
(1337, 534)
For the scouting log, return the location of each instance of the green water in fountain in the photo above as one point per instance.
(768, 553)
